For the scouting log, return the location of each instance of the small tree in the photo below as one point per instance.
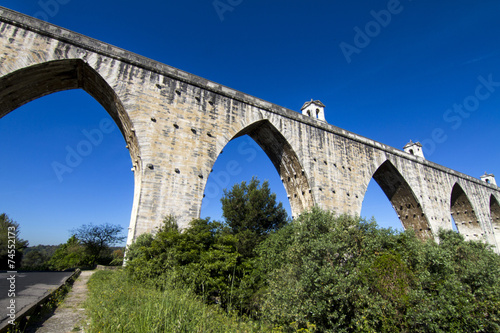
(98, 238)
(251, 211)
(11, 246)
(69, 255)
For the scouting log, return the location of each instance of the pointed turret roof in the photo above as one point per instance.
(317, 102)
(411, 143)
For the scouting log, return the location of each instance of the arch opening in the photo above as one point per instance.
(453, 224)
(30, 83)
(68, 166)
(285, 162)
(463, 214)
(242, 159)
(375, 201)
(495, 218)
(403, 200)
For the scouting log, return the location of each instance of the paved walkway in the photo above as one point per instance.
(70, 315)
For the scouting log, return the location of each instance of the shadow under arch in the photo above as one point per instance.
(403, 199)
(465, 218)
(27, 84)
(495, 217)
(286, 162)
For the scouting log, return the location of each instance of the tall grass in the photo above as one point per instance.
(118, 304)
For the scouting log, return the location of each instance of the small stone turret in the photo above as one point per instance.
(314, 109)
(414, 148)
(489, 178)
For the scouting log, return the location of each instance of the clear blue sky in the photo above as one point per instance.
(397, 80)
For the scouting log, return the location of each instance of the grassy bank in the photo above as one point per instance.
(118, 304)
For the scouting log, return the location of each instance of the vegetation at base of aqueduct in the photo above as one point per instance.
(320, 272)
(257, 271)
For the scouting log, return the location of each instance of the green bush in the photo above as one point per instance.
(328, 273)
(343, 274)
(216, 260)
(202, 258)
(69, 255)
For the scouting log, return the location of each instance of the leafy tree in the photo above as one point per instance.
(69, 255)
(11, 246)
(251, 212)
(98, 238)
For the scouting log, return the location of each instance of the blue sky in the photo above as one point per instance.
(388, 70)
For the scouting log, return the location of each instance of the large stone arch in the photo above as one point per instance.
(27, 84)
(495, 218)
(32, 82)
(403, 199)
(286, 162)
(463, 213)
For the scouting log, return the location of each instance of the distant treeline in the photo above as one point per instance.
(89, 245)
(38, 258)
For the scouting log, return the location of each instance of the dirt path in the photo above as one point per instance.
(70, 315)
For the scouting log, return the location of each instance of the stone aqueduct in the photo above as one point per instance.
(176, 124)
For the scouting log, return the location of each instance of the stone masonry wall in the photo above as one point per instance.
(176, 125)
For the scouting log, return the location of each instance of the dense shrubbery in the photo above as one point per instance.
(216, 260)
(332, 273)
(203, 258)
(345, 275)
